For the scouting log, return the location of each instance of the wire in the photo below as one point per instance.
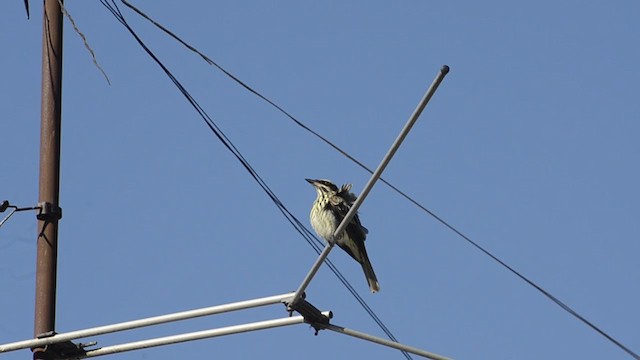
(306, 233)
(551, 297)
(256, 93)
(84, 40)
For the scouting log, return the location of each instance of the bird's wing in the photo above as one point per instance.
(348, 198)
(356, 233)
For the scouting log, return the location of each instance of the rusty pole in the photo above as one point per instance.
(47, 241)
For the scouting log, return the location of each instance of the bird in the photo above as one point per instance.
(328, 210)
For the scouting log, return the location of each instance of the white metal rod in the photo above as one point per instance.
(8, 216)
(307, 279)
(374, 177)
(198, 335)
(394, 147)
(385, 342)
(62, 337)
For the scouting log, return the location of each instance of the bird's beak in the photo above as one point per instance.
(311, 181)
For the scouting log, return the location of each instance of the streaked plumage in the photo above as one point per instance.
(328, 210)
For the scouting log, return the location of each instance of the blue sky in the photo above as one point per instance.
(529, 147)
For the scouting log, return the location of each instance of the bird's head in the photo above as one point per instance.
(323, 186)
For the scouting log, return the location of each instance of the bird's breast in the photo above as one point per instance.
(323, 222)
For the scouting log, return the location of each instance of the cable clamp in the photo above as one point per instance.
(48, 211)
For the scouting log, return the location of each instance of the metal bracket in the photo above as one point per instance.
(48, 211)
(66, 349)
(311, 314)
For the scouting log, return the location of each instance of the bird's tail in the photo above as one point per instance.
(374, 286)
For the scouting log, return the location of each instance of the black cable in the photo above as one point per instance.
(306, 234)
(250, 89)
(403, 194)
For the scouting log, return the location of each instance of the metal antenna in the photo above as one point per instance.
(374, 177)
(47, 344)
(60, 346)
